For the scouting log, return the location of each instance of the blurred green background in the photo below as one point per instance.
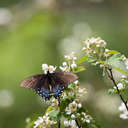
(33, 32)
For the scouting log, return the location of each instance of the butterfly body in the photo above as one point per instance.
(50, 84)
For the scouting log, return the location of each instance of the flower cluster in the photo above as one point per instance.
(44, 122)
(75, 91)
(47, 68)
(86, 118)
(70, 64)
(124, 111)
(120, 86)
(71, 56)
(92, 44)
(69, 105)
(72, 108)
(70, 123)
(126, 63)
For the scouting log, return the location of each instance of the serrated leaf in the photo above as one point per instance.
(82, 59)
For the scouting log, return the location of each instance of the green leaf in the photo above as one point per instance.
(91, 59)
(64, 104)
(79, 69)
(53, 113)
(121, 71)
(116, 62)
(85, 58)
(110, 91)
(125, 93)
(50, 108)
(113, 52)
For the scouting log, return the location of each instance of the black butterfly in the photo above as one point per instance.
(49, 84)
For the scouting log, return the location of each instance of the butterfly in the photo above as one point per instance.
(50, 84)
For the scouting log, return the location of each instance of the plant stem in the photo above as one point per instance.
(77, 123)
(118, 91)
(59, 124)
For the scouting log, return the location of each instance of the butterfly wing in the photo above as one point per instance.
(60, 80)
(39, 83)
(32, 82)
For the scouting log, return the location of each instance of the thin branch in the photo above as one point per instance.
(59, 124)
(77, 124)
(110, 75)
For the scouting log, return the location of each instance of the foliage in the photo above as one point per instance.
(70, 109)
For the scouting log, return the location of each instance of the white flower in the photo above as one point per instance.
(124, 111)
(71, 94)
(79, 105)
(92, 43)
(66, 123)
(126, 62)
(120, 86)
(64, 95)
(87, 44)
(73, 65)
(73, 116)
(71, 56)
(82, 90)
(76, 82)
(28, 120)
(87, 118)
(38, 122)
(71, 108)
(47, 68)
(106, 53)
(64, 64)
(43, 121)
(122, 107)
(63, 68)
(124, 58)
(68, 112)
(124, 115)
(123, 77)
(72, 124)
(84, 48)
(101, 43)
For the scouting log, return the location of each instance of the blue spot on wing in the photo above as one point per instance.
(44, 93)
(57, 91)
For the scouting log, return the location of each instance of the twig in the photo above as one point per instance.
(59, 124)
(110, 75)
(77, 123)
